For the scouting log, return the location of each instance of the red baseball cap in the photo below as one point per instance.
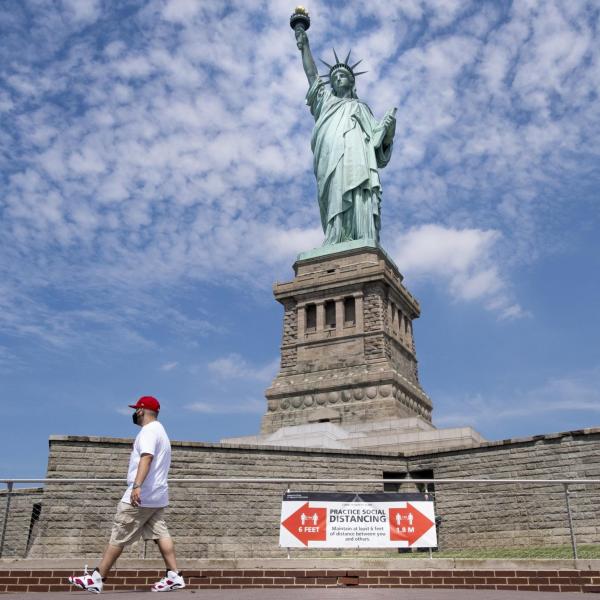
(149, 402)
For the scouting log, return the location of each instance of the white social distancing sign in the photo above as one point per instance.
(340, 520)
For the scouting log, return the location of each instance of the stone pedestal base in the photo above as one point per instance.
(410, 435)
(348, 352)
(348, 377)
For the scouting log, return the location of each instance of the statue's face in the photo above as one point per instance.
(341, 82)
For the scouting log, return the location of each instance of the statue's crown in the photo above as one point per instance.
(342, 65)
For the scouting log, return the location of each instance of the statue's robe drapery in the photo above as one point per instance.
(347, 143)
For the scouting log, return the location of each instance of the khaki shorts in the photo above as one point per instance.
(131, 522)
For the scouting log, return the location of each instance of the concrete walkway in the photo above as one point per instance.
(314, 594)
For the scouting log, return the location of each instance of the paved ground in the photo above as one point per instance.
(316, 594)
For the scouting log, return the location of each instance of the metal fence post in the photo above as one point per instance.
(571, 528)
(427, 498)
(287, 485)
(9, 485)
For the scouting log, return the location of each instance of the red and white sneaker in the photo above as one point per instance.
(170, 582)
(89, 582)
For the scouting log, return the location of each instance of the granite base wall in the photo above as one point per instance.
(241, 520)
(206, 520)
(518, 515)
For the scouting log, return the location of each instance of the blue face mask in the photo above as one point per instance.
(135, 418)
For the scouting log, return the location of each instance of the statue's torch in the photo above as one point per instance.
(299, 21)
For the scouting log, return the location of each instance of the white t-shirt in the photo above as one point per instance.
(152, 439)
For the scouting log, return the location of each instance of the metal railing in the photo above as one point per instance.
(448, 494)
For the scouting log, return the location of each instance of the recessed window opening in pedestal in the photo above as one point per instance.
(349, 311)
(311, 317)
(423, 488)
(36, 511)
(330, 314)
(392, 487)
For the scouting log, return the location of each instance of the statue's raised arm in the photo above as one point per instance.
(308, 62)
(300, 22)
(348, 143)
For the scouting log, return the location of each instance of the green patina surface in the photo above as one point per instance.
(335, 248)
(349, 146)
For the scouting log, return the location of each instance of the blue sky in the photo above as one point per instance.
(156, 179)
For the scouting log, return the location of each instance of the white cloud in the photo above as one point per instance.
(461, 258)
(9, 362)
(249, 406)
(437, 249)
(286, 244)
(172, 156)
(83, 11)
(168, 366)
(235, 366)
(571, 393)
(180, 11)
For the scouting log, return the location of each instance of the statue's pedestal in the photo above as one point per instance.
(348, 375)
(348, 353)
(410, 435)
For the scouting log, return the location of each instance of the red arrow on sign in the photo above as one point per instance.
(308, 524)
(408, 524)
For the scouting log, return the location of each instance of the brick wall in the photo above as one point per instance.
(501, 579)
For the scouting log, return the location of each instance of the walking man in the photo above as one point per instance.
(141, 509)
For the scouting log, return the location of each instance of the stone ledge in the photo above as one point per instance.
(515, 441)
(430, 564)
(224, 446)
(23, 491)
(335, 451)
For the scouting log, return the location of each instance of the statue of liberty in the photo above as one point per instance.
(348, 144)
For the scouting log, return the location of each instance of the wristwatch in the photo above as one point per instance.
(136, 485)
